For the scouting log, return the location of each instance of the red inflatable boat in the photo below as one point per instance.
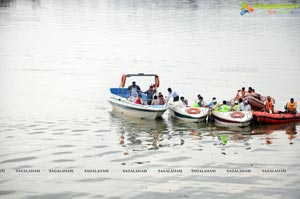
(275, 118)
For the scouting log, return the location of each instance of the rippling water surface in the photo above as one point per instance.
(58, 60)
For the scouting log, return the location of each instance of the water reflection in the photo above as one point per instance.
(269, 129)
(136, 132)
(177, 125)
(234, 137)
(137, 125)
(169, 132)
(291, 131)
(36, 4)
(244, 130)
(141, 135)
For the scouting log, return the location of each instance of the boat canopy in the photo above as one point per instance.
(124, 77)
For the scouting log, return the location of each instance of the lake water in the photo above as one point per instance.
(60, 139)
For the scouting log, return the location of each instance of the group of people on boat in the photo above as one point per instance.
(243, 95)
(238, 103)
(135, 93)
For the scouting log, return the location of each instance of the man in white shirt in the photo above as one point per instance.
(172, 94)
(134, 90)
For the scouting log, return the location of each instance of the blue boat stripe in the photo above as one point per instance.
(137, 109)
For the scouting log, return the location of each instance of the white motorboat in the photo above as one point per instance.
(188, 114)
(233, 118)
(122, 102)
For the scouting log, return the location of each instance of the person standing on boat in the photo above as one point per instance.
(269, 107)
(134, 90)
(224, 107)
(150, 93)
(200, 102)
(172, 94)
(291, 107)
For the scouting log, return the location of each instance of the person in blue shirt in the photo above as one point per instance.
(150, 93)
(214, 105)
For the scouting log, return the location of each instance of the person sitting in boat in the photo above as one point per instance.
(214, 105)
(291, 107)
(172, 94)
(244, 105)
(150, 93)
(224, 107)
(161, 99)
(139, 99)
(236, 106)
(183, 101)
(200, 102)
(155, 100)
(269, 107)
(134, 89)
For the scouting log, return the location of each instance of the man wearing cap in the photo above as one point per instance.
(236, 106)
(214, 105)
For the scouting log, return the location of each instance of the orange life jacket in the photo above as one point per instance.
(291, 106)
(269, 105)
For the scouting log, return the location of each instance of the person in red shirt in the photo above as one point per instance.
(139, 99)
